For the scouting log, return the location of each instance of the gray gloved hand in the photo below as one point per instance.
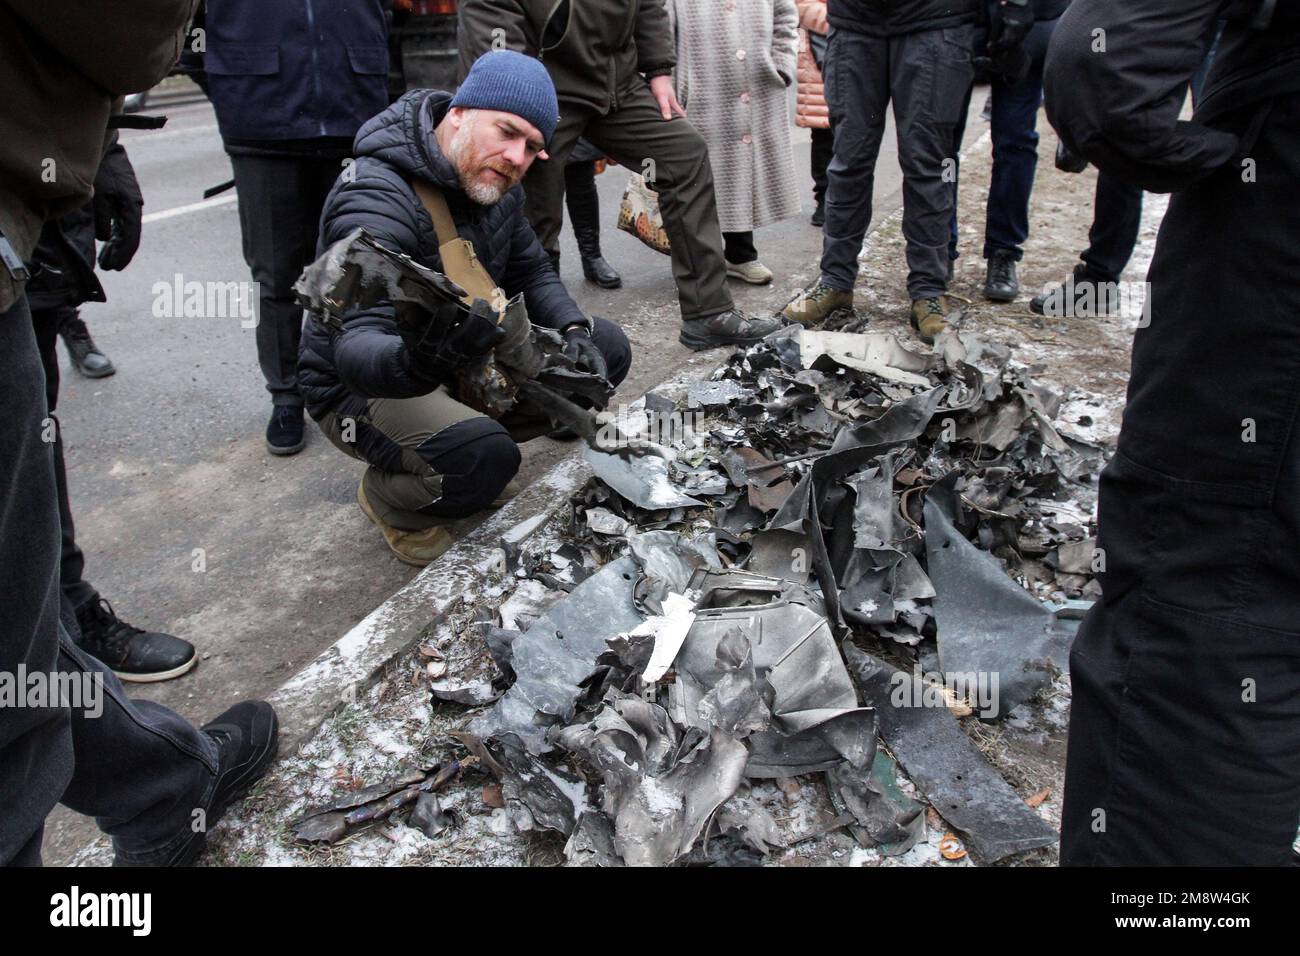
(582, 350)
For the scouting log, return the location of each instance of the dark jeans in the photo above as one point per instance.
(1184, 742)
(280, 201)
(1116, 216)
(72, 563)
(1014, 130)
(634, 132)
(739, 247)
(926, 75)
(138, 768)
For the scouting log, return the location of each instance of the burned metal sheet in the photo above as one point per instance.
(644, 481)
(715, 394)
(877, 353)
(815, 721)
(943, 763)
(559, 652)
(988, 625)
(659, 791)
(780, 554)
(886, 816)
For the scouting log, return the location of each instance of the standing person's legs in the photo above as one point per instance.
(1185, 714)
(823, 148)
(47, 324)
(857, 92)
(739, 247)
(1116, 217)
(1014, 129)
(637, 131)
(930, 76)
(280, 203)
(544, 183)
(35, 742)
(142, 771)
(135, 654)
(583, 200)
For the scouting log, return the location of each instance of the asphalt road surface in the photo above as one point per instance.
(189, 525)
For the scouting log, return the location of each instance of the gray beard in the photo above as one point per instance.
(481, 193)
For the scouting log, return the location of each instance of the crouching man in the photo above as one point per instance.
(435, 174)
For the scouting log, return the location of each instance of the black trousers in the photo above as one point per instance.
(1116, 216)
(821, 154)
(280, 202)
(140, 769)
(1184, 743)
(72, 563)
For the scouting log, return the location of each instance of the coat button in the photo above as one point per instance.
(740, 54)
(744, 97)
(746, 139)
(731, 5)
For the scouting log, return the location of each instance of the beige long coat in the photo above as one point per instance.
(735, 59)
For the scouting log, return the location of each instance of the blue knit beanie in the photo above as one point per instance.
(512, 83)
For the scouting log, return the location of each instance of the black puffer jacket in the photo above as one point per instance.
(897, 17)
(366, 359)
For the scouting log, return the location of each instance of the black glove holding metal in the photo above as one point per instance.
(579, 347)
(117, 206)
(436, 349)
(1010, 23)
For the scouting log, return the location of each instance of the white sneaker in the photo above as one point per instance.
(755, 273)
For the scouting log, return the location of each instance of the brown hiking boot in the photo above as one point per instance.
(929, 317)
(813, 305)
(416, 548)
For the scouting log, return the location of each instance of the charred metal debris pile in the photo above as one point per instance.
(837, 549)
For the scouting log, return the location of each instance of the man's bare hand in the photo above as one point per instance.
(666, 96)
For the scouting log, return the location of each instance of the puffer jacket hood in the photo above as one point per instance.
(403, 137)
(367, 358)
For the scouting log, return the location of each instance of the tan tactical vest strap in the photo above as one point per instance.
(459, 261)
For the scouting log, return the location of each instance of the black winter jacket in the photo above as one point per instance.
(1120, 110)
(366, 359)
(295, 69)
(897, 17)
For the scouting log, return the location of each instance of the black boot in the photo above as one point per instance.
(1000, 282)
(133, 654)
(819, 214)
(86, 357)
(584, 213)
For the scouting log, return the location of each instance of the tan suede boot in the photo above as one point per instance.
(813, 305)
(417, 548)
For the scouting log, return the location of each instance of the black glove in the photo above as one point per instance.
(1013, 23)
(582, 350)
(117, 205)
(436, 349)
(1006, 56)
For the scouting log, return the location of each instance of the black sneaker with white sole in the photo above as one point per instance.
(247, 738)
(132, 653)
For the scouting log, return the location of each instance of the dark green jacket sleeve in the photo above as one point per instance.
(481, 22)
(656, 51)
